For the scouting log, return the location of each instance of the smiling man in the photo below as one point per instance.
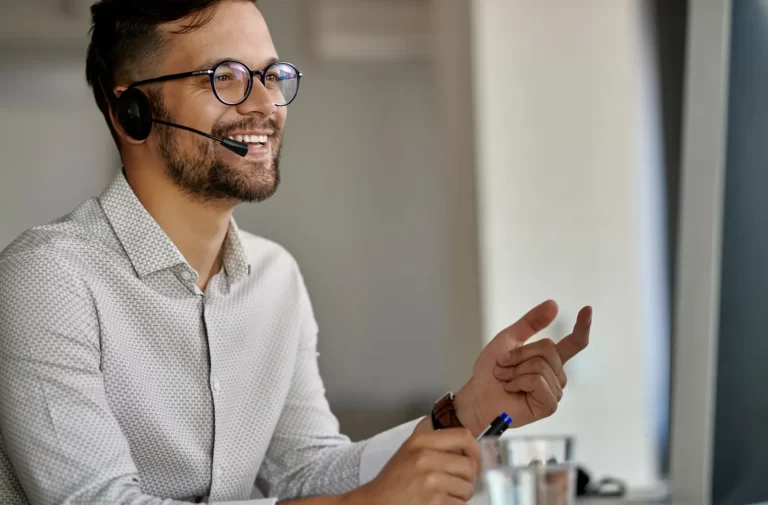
(151, 353)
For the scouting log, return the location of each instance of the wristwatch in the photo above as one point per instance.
(444, 413)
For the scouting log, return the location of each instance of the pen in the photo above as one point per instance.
(497, 427)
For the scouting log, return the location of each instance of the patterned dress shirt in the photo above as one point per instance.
(122, 383)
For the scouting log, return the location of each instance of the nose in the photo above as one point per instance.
(259, 101)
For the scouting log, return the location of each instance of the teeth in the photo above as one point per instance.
(251, 139)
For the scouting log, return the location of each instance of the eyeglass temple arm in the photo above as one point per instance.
(171, 77)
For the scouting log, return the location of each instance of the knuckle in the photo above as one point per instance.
(547, 344)
(421, 461)
(527, 382)
(551, 409)
(468, 471)
(413, 442)
(471, 471)
(432, 481)
(467, 491)
(538, 363)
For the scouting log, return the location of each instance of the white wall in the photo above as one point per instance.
(569, 191)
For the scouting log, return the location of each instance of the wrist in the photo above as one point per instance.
(468, 409)
(424, 426)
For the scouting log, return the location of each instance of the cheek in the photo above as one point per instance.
(197, 111)
(281, 116)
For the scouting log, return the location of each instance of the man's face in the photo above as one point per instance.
(237, 31)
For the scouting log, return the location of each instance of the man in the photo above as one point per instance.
(154, 354)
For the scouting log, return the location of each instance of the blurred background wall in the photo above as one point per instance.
(440, 177)
(571, 206)
(379, 218)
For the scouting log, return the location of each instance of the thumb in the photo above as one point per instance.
(531, 323)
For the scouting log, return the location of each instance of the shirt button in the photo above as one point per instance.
(186, 275)
(217, 385)
(218, 471)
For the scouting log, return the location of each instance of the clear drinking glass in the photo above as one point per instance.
(529, 470)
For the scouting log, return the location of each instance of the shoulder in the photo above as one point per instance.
(46, 301)
(73, 239)
(267, 255)
(274, 265)
(53, 256)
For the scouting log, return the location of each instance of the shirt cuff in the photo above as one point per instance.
(379, 449)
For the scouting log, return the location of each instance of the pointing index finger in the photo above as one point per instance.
(578, 340)
(531, 323)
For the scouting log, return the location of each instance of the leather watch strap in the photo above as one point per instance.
(444, 413)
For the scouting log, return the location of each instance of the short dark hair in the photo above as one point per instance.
(125, 40)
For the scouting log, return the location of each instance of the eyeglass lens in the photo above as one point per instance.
(231, 81)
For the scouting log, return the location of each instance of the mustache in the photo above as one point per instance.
(224, 129)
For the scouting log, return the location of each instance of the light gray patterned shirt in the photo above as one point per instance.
(122, 383)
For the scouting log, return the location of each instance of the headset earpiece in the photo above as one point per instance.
(134, 113)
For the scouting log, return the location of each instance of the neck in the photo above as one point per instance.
(197, 229)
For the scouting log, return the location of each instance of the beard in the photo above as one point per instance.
(203, 174)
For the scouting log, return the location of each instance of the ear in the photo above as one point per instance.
(116, 123)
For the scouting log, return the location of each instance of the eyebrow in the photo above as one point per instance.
(209, 64)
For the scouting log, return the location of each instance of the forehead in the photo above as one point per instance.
(236, 30)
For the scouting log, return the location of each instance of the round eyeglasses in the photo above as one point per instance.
(232, 81)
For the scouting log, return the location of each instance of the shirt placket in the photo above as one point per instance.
(218, 389)
(189, 277)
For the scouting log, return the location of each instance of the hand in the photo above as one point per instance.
(436, 468)
(525, 381)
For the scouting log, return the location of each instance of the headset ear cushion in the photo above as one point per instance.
(134, 113)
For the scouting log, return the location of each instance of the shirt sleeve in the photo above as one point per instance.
(380, 449)
(308, 456)
(58, 433)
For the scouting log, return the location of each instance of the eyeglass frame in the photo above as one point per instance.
(211, 72)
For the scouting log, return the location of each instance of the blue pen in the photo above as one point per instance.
(497, 427)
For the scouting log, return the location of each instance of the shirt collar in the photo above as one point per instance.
(236, 263)
(148, 247)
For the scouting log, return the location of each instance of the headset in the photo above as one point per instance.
(134, 113)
